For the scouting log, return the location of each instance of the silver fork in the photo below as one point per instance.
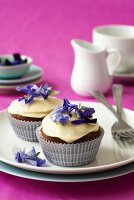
(122, 130)
(117, 91)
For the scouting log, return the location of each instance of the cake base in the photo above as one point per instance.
(74, 154)
(25, 130)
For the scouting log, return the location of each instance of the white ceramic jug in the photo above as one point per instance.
(90, 71)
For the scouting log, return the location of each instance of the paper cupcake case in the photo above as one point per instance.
(70, 154)
(24, 130)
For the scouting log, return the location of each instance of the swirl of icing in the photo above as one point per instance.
(68, 132)
(38, 108)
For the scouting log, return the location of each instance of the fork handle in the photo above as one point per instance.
(103, 100)
(117, 90)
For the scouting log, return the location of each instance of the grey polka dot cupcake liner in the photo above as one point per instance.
(24, 130)
(70, 154)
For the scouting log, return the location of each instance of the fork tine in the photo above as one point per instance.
(123, 135)
(131, 133)
(122, 129)
(127, 132)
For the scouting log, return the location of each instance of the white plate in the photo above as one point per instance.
(120, 171)
(126, 78)
(110, 154)
(34, 72)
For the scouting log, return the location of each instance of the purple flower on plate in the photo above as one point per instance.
(33, 91)
(18, 157)
(62, 113)
(31, 157)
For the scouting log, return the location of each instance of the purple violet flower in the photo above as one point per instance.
(45, 90)
(18, 157)
(33, 91)
(57, 115)
(84, 115)
(31, 157)
(63, 112)
(68, 107)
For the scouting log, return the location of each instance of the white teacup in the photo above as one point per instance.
(120, 37)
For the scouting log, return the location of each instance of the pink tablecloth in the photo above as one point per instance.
(43, 30)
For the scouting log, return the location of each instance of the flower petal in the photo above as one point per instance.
(18, 157)
(31, 157)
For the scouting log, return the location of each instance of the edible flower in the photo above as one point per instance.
(68, 107)
(33, 91)
(31, 157)
(62, 113)
(57, 116)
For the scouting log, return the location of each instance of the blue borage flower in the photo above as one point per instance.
(62, 113)
(33, 91)
(31, 157)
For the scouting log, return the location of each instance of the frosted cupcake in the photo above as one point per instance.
(69, 135)
(27, 112)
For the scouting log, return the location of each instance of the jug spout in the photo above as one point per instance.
(73, 42)
(81, 45)
(76, 44)
(86, 46)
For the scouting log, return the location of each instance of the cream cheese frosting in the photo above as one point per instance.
(68, 132)
(38, 108)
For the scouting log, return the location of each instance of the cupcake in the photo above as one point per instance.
(27, 112)
(69, 135)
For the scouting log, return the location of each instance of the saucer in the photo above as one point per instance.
(34, 73)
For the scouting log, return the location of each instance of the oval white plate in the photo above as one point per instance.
(110, 154)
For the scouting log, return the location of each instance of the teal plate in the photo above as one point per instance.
(126, 169)
(35, 72)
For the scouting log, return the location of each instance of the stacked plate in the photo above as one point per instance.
(34, 75)
(112, 160)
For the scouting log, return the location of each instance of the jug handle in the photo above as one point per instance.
(119, 58)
